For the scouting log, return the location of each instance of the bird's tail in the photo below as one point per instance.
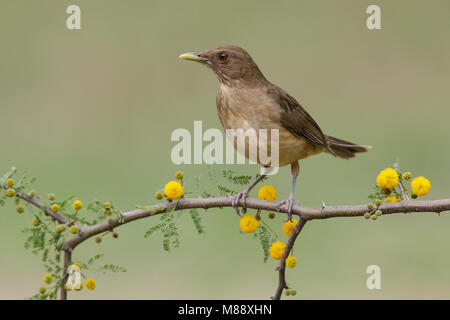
(345, 149)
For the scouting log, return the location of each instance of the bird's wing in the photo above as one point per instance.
(294, 118)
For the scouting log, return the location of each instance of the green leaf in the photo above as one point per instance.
(153, 229)
(113, 268)
(197, 220)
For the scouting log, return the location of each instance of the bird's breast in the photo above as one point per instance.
(246, 108)
(253, 108)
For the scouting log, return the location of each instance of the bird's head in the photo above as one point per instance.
(231, 64)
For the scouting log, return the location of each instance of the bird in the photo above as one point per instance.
(246, 99)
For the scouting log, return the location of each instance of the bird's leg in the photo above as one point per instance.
(244, 194)
(295, 168)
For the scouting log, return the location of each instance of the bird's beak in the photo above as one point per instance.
(193, 56)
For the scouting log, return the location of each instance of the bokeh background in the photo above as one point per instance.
(90, 113)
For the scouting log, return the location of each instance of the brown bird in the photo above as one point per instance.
(246, 99)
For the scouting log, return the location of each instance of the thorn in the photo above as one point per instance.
(323, 205)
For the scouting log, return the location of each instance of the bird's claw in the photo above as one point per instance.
(288, 204)
(235, 203)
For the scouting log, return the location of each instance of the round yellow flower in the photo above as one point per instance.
(249, 223)
(159, 195)
(291, 262)
(420, 186)
(277, 249)
(74, 229)
(10, 182)
(90, 284)
(289, 226)
(77, 205)
(267, 193)
(11, 192)
(107, 205)
(173, 190)
(388, 179)
(55, 208)
(48, 278)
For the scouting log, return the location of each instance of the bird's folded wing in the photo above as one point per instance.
(294, 118)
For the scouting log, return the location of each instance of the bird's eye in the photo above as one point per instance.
(223, 57)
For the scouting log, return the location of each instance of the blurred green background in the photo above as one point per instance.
(90, 113)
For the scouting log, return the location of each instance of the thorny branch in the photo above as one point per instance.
(303, 212)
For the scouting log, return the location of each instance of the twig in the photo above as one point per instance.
(402, 189)
(37, 203)
(281, 268)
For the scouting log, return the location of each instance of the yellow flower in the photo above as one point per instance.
(289, 226)
(387, 179)
(48, 278)
(90, 284)
(277, 249)
(74, 229)
(291, 261)
(107, 205)
(55, 208)
(267, 193)
(20, 209)
(249, 223)
(36, 222)
(77, 205)
(420, 186)
(10, 182)
(173, 190)
(10, 192)
(159, 195)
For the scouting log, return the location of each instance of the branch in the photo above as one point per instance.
(303, 212)
(67, 262)
(282, 266)
(308, 213)
(35, 202)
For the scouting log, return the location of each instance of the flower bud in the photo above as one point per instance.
(179, 175)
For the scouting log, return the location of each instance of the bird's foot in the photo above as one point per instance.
(287, 204)
(241, 195)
